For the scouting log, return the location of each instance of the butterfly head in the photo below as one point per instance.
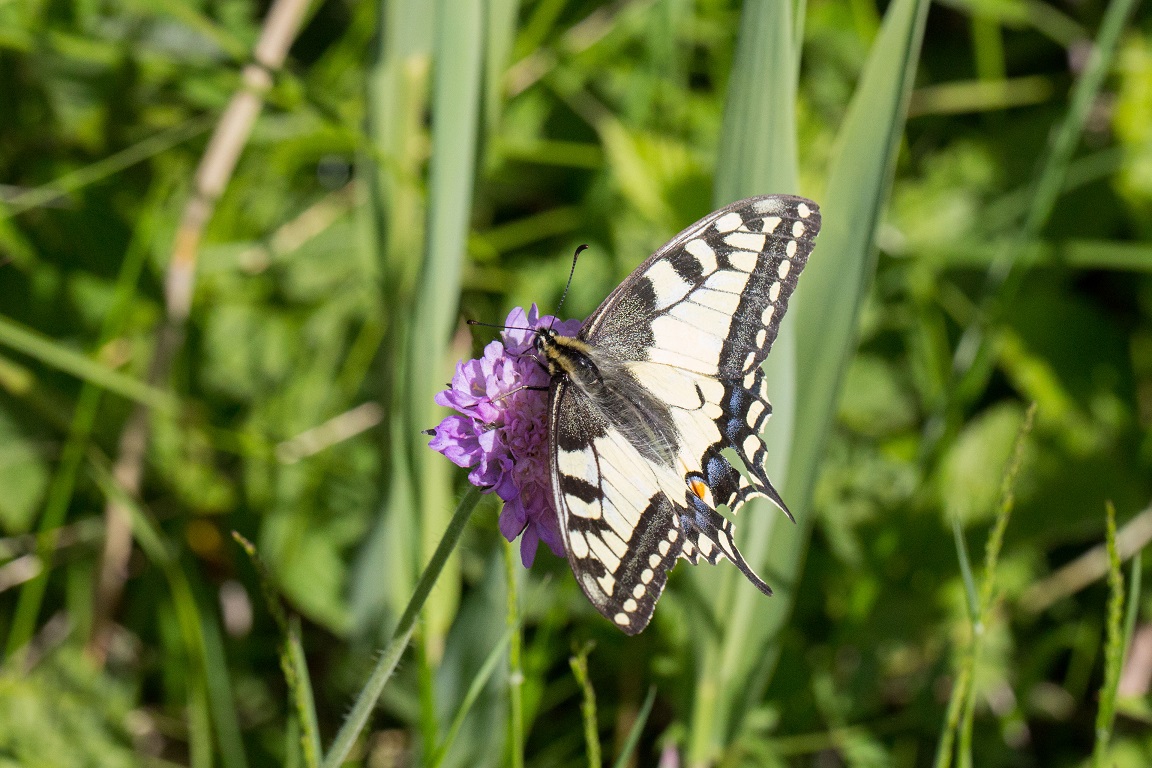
(566, 356)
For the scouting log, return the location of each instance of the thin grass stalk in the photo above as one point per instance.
(151, 541)
(636, 730)
(515, 663)
(108, 166)
(971, 361)
(962, 703)
(63, 482)
(988, 585)
(292, 663)
(365, 702)
(212, 176)
(579, 665)
(483, 675)
(1114, 644)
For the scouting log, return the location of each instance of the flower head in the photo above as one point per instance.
(501, 429)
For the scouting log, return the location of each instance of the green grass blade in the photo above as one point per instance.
(458, 52)
(102, 169)
(303, 698)
(83, 421)
(579, 665)
(292, 663)
(48, 352)
(151, 540)
(962, 703)
(971, 365)
(637, 729)
(824, 313)
(366, 701)
(474, 689)
(966, 571)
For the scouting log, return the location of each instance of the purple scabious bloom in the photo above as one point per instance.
(501, 431)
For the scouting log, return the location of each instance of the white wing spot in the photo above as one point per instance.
(747, 241)
(717, 300)
(638, 591)
(790, 249)
(578, 545)
(803, 210)
(646, 575)
(755, 411)
(774, 291)
(727, 280)
(704, 253)
(729, 222)
(745, 261)
(761, 337)
(785, 265)
(622, 619)
(653, 559)
(602, 552)
(608, 584)
(751, 444)
(769, 310)
(673, 534)
(750, 361)
(797, 229)
(664, 547)
(771, 223)
(668, 286)
(630, 605)
(705, 547)
(750, 380)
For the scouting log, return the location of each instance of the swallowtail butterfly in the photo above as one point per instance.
(660, 378)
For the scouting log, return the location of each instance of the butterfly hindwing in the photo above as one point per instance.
(676, 349)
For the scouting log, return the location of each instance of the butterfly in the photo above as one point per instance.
(658, 381)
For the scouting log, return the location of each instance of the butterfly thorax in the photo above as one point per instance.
(569, 357)
(619, 399)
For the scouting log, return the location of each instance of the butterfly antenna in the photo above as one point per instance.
(497, 325)
(579, 249)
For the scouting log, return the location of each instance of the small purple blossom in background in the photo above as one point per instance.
(503, 437)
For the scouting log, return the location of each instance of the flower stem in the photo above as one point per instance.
(366, 701)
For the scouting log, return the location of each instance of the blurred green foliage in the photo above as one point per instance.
(597, 123)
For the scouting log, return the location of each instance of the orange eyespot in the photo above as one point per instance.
(698, 487)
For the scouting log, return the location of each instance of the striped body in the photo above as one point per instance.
(663, 376)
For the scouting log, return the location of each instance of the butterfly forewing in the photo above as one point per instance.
(688, 329)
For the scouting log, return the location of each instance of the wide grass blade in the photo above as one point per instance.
(757, 154)
(824, 314)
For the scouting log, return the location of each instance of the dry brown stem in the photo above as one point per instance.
(216, 167)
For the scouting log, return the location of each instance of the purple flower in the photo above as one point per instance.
(502, 434)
